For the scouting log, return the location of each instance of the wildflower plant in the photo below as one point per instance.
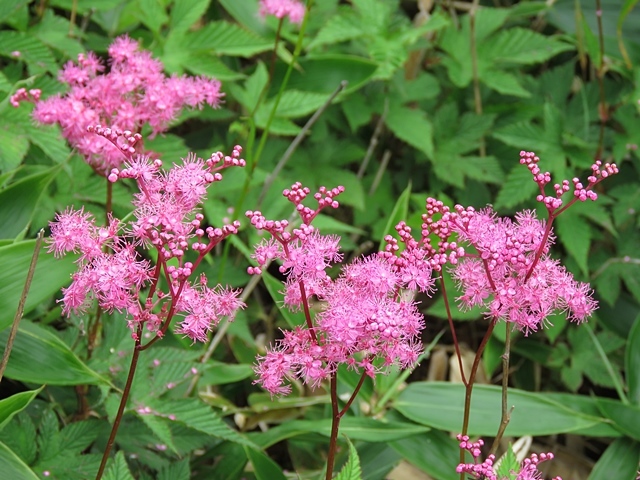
(368, 322)
(114, 266)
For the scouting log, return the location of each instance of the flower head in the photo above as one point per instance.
(133, 92)
(293, 9)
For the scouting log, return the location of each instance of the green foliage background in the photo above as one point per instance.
(438, 102)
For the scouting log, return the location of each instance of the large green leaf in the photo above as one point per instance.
(626, 418)
(51, 273)
(15, 404)
(434, 452)
(38, 356)
(19, 200)
(441, 405)
(34, 52)
(356, 428)
(226, 39)
(619, 460)
(632, 362)
(263, 466)
(12, 467)
(575, 234)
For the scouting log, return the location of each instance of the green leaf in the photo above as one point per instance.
(51, 273)
(226, 39)
(160, 427)
(619, 460)
(274, 288)
(11, 7)
(504, 82)
(433, 452)
(351, 470)
(412, 126)
(186, 12)
(34, 52)
(19, 200)
(11, 466)
(198, 416)
(339, 28)
(263, 466)
(323, 74)
(296, 103)
(151, 13)
(118, 469)
(176, 471)
(441, 405)
(356, 428)
(521, 46)
(38, 356)
(11, 406)
(400, 212)
(575, 234)
(626, 418)
(632, 362)
(518, 187)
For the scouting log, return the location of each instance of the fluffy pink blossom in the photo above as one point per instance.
(132, 92)
(294, 9)
(366, 322)
(165, 219)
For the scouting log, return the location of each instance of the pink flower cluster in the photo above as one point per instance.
(133, 92)
(366, 323)
(282, 8)
(486, 469)
(165, 219)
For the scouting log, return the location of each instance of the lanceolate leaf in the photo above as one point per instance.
(51, 273)
(15, 404)
(632, 362)
(12, 467)
(38, 356)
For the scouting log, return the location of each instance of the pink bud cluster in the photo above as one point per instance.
(365, 323)
(580, 191)
(24, 95)
(133, 92)
(165, 219)
(486, 471)
(293, 9)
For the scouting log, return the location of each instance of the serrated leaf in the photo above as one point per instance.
(351, 470)
(412, 126)
(341, 27)
(33, 51)
(226, 39)
(522, 46)
(199, 416)
(518, 187)
(160, 428)
(176, 471)
(38, 356)
(13, 147)
(77, 436)
(152, 14)
(11, 406)
(186, 12)
(575, 234)
(504, 82)
(118, 469)
(50, 140)
(295, 103)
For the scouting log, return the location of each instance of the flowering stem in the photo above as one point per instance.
(335, 425)
(506, 414)
(123, 402)
(469, 385)
(453, 330)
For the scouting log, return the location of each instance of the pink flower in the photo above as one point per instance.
(366, 323)
(282, 8)
(134, 92)
(166, 219)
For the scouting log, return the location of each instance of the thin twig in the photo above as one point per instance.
(21, 303)
(373, 143)
(296, 141)
(383, 167)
